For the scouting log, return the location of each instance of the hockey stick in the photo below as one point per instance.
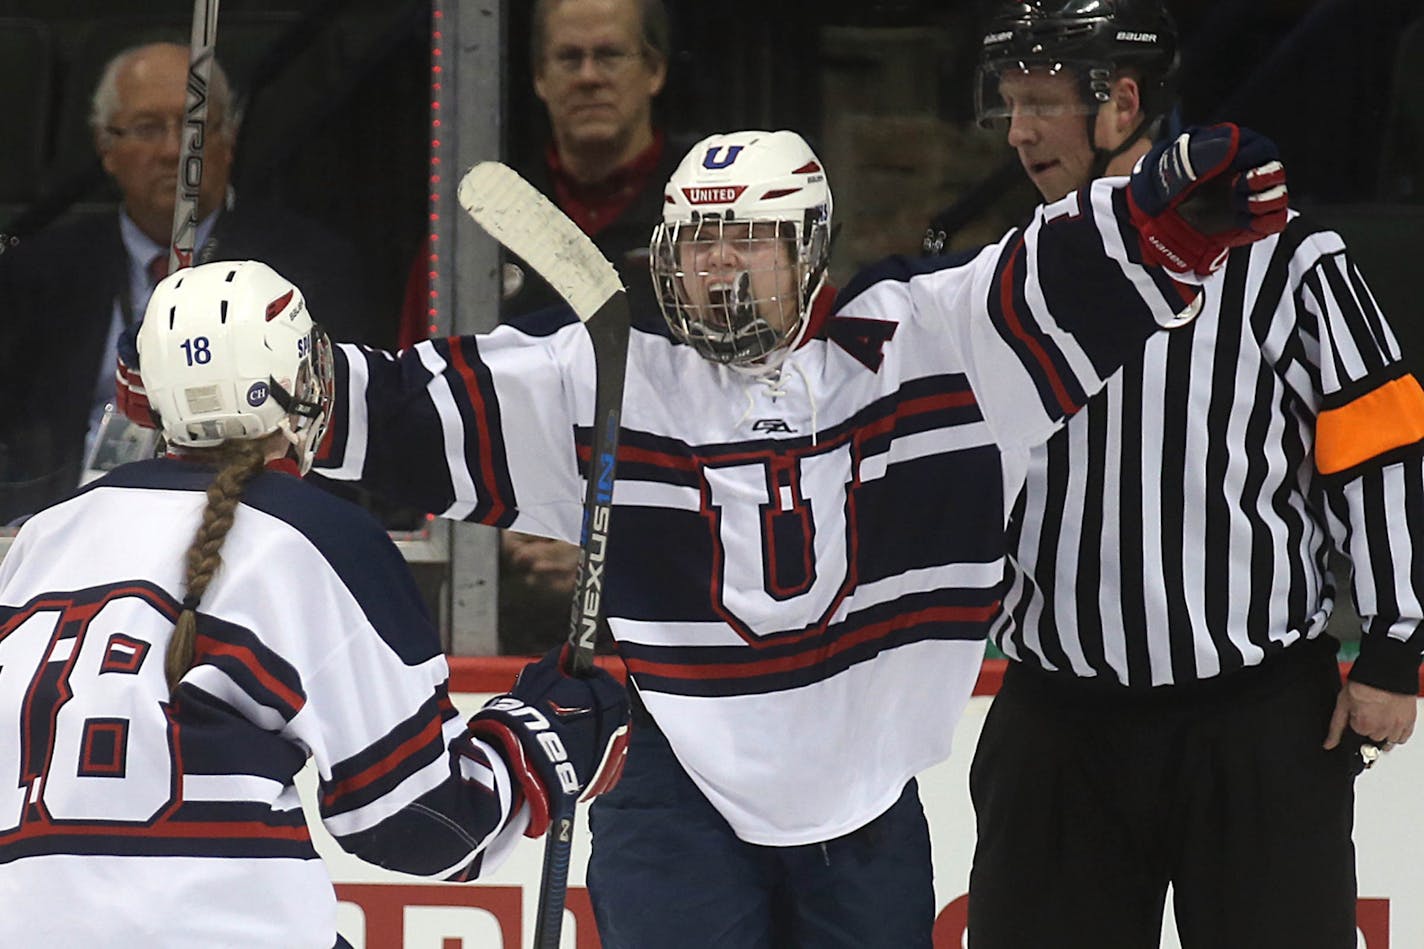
(195, 129)
(526, 222)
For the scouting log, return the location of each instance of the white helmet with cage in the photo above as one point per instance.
(227, 350)
(743, 246)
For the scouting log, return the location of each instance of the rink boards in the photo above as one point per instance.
(382, 910)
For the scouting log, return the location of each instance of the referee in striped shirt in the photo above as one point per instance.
(1173, 711)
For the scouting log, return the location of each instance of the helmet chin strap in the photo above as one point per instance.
(301, 446)
(1103, 157)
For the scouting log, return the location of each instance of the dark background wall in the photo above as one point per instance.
(337, 95)
(334, 92)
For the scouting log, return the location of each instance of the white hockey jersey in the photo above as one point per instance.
(800, 566)
(129, 820)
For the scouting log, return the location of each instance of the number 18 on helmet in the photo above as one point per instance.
(228, 350)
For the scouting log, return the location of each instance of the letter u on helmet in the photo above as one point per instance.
(1090, 38)
(228, 350)
(744, 177)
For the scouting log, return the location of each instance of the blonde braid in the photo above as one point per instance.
(238, 463)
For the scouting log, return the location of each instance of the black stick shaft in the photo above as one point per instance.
(608, 328)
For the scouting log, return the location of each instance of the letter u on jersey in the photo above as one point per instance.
(710, 160)
(780, 532)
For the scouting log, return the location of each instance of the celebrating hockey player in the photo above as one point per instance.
(157, 706)
(808, 523)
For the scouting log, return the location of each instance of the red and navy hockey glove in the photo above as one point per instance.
(129, 395)
(1189, 228)
(560, 734)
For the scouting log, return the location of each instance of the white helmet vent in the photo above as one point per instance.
(207, 431)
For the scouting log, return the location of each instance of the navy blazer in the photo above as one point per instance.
(57, 292)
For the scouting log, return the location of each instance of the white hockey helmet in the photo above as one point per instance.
(744, 177)
(227, 350)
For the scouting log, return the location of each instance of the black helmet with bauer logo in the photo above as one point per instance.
(1091, 38)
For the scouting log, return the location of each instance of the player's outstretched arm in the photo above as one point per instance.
(1044, 318)
(450, 425)
(563, 737)
(1204, 192)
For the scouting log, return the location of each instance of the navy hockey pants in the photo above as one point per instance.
(667, 871)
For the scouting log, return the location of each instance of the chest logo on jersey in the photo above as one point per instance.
(783, 539)
(773, 425)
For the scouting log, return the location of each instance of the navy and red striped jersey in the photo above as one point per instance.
(176, 821)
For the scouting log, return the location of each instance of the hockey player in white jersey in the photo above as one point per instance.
(156, 707)
(808, 521)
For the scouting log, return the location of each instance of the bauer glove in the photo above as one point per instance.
(560, 734)
(1208, 190)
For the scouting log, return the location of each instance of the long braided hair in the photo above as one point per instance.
(238, 462)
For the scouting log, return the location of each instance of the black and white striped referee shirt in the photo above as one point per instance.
(1177, 528)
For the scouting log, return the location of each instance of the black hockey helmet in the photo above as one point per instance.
(1092, 38)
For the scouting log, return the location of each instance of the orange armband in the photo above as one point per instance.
(1377, 422)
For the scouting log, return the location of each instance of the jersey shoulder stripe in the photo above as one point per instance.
(261, 673)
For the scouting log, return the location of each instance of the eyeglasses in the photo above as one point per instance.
(148, 131)
(607, 60)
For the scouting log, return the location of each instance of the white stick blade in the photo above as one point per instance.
(519, 217)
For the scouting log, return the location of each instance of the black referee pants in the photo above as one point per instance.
(1087, 806)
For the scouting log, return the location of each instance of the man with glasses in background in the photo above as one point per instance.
(598, 65)
(90, 275)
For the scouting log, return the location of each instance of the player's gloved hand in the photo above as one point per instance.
(1208, 190)
(130, 397)
(560, 734)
